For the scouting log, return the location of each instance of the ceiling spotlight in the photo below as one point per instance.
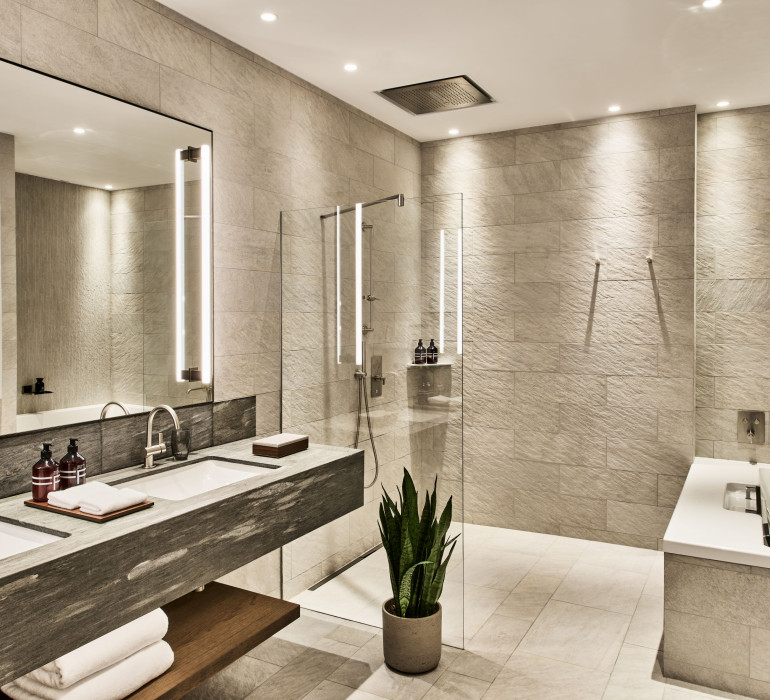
(454, 132)
(350, 67)
(723, 103)
(268, 16)
(108, 187)
(79, 130)
(614, 108)
(708, 4)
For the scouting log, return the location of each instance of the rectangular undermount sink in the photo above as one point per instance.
(194, 479)
(15, 539)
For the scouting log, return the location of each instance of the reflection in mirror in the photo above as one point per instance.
(105, 238)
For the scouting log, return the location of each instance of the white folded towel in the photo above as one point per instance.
(113, 683)
(102, 502)
(103, 651)
(70, 498)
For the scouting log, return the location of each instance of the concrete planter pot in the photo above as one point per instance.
(411, 644)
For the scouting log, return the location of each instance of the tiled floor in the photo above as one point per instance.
(546, 617)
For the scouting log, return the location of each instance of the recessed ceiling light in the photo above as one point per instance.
(614, 108)
(454, 132)
(711, 3)
(79, 130)
(268, 16)
(723, 103)
(108, 187)
(350, 67)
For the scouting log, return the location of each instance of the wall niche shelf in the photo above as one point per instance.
(437, 364)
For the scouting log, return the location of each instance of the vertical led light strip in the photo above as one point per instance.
(359, 286)
(441, 292)
(339, 293)
(179, 242)
(459, 291)
(206, 310)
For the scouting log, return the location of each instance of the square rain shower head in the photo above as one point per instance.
(437, 95)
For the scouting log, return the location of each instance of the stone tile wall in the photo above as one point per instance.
(733, 270)
(716, 625)
(578, 377)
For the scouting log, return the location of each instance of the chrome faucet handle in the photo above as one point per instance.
(750, 433)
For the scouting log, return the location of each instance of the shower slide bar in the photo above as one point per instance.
(398, 197)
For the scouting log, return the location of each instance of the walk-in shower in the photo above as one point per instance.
(361, 283)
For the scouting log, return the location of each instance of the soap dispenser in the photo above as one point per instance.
(432, 353)
(72, 467)
(420, 354)
(45, 475)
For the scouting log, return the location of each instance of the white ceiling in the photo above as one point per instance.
(544, 61)
(124, 146)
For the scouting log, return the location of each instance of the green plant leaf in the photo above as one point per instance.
(405, 588)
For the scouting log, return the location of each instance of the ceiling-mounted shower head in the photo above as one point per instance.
(437, 95)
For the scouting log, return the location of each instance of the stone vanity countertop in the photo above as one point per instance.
(82, 534)
(702, 527)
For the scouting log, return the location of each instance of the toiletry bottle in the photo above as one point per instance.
(420, 353)
(72, 467)
(432, 353)
(45, 475)
(39, 386)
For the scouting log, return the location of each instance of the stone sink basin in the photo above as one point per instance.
(15, 539)
(194, 479)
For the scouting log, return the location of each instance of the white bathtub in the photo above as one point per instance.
(702, 527)
(67, 416)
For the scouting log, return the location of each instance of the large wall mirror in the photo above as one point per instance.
(105, 246)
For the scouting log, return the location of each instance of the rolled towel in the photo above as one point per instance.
(103, 651)
(102, 502)
(113, 683)
(70, 498)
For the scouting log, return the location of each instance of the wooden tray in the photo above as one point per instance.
(76, 513)
(282, 451)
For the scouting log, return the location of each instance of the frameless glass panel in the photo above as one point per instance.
(370, 394)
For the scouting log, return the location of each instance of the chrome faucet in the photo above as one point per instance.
(152, 450)
(112, 403)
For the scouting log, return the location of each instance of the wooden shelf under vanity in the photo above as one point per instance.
(208, 631)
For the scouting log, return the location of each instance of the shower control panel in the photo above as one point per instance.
(378, 378)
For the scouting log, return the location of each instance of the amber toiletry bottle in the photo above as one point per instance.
(45, 475)
(72, 467)
(432, 353)
(420, 354)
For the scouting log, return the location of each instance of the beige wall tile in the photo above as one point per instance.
(147, 33)
(79, 13)
(673, 393)
(10, 30)
(59, 49)
(372, 138)
(637, 519)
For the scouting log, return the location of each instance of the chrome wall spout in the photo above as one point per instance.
(106, 407)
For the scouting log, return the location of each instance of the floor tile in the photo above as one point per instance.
(602, 587)
(498, 638)
(636, 675)
(528, 677)
(454, 686)
(529, 598)
(646, 627)
(576, 634)
(234, 682)
(298, 677)
(619, 557)
(469, 664)
(334, 691)
(486, 568)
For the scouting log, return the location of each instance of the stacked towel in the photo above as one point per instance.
(109, 668)
(96, 498)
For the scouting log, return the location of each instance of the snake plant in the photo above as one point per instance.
(415, 546)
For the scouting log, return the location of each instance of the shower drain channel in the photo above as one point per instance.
(316, 586)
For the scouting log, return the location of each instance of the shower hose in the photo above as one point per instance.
(362, 391)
